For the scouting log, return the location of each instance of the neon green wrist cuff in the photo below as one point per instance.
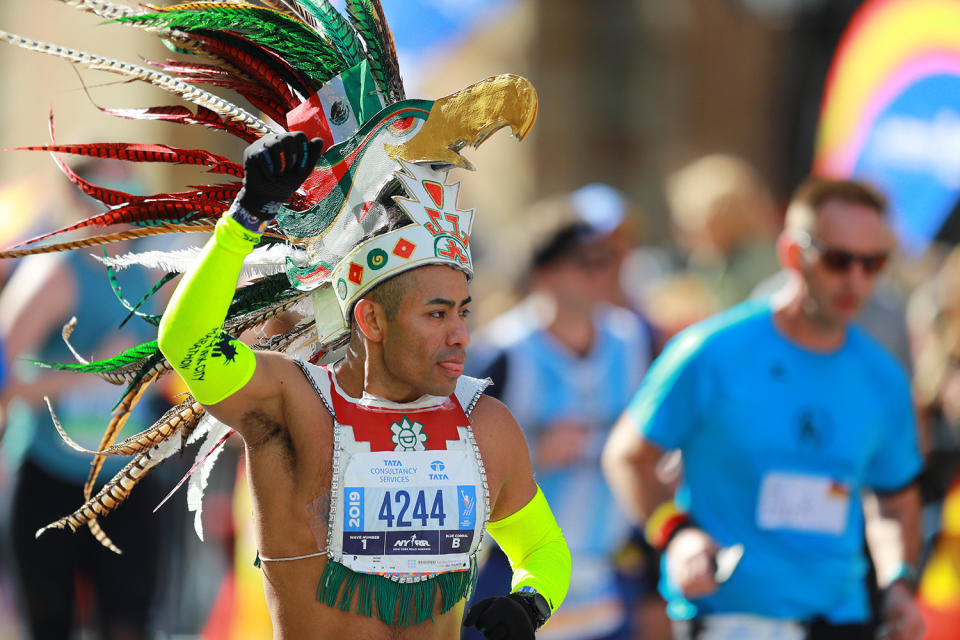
(536, 549)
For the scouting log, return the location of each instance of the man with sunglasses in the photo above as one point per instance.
(783, 413)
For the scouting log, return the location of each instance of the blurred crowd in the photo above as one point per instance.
(595, 306)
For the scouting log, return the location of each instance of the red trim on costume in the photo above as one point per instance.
(372, 424)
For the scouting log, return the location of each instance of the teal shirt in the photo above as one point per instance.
(85, 410)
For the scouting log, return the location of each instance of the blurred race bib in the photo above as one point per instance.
(803, 502)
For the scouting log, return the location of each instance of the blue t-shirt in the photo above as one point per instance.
(777, 443)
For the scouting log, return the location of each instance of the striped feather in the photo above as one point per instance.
(136, 152)
(292, 41)
(167, 83)
(107, 10)
(264, 67)
(117, 489)
(181, 115)
(145, 212)
(117, 421)
(260, 294)
(239, 324)
(101, 194)
(293, 9)
(130, 372)
(367, 18)
(101, 536)
(182, 418)
(337, 29)
(107, 239)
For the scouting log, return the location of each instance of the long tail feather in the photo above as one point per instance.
(182, 418)
(337, 29)
(145, 212)
(288, 38)
(119, 419)
(106, 10)
(107, 239)
(135, 152)
(117, 489)
(150, 318)
(262, 65)
(367, 18)
(101, 536)
(236, 326)
(65, 333)
(293, 9)
(170, 84)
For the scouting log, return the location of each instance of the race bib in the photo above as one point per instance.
(803, 502)
(415, 513)
(741, 626)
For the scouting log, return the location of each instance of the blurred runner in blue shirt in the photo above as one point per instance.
(783, 414)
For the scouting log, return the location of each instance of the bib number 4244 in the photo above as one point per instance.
(395, 509)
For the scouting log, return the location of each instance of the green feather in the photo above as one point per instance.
(365, 21)
(131, 355)
(337, 29)
(148, 366)
(260, 294)
(115, 285)
(149, 318)
(290, 39)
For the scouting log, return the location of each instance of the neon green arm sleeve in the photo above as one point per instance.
(212, 364)
(536, 549)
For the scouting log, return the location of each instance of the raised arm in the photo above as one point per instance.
(222, 373)
(523, 525)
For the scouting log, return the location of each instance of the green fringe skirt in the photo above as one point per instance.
(400, 604)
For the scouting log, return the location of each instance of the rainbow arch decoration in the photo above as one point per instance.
(891, 111)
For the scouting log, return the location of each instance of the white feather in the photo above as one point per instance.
(262, 261)
(206, 458)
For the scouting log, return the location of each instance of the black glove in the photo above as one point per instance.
(274, 168)
(511, 617)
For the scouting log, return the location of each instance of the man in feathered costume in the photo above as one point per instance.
(376, 473)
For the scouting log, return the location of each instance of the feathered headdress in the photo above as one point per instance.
(377, 203)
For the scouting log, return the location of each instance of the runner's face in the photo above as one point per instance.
(851, 244)
(424, 346)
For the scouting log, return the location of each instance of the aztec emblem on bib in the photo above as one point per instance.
(408, 436)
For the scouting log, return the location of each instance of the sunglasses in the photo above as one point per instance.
(841, 260)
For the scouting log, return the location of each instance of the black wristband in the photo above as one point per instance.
(246, 219)
(535, 604)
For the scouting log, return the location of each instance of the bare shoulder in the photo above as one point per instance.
(495, 426)
(505, 456)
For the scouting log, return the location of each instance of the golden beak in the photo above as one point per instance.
(470, 116)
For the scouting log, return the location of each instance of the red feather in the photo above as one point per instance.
(135, 152)
(182, 115)
(258, 68)
(162, 209)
